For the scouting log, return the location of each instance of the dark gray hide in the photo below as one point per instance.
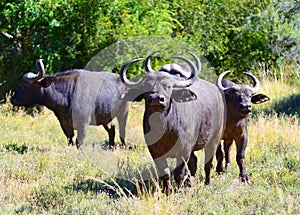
(238, 104)
(78, 98)
(181, 116)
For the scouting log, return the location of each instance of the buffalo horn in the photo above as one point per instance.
(40, 72)
(123, 70)
(198, 62)
(219, 81)
(147, 63)
(256, 84)
(188, 82)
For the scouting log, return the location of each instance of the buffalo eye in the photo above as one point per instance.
(167, 87)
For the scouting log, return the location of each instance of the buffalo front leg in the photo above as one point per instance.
(241, 144)
(69, 132)
(122, 119)
(164, 174)
(179, 171)
(81, 133)
(111, 130)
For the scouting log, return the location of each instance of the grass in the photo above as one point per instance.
(41, 174)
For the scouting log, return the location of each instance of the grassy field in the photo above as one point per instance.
(40, 173)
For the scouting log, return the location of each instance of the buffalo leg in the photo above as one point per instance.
(241, 144)
(192, 165)
(82, 130)
(210, 151)
(164, 174)
(220, 156)
(110, 128)
(227, 147)
(69, 132)
(122, 124)
(179, 171)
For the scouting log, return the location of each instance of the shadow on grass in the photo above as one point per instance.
(114, 188)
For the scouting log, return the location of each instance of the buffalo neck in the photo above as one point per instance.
(57, 95)
(160, 121)
(234, 119)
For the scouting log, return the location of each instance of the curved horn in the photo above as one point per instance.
(256, 84)
(198, 62)
(147, 63)
(219, 81)
(188, 82)
(40, 72)
(123, 77)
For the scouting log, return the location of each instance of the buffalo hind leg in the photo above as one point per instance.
(227, 147)
(210, 151)
(192, 165)
(110, 128)
(220, 156)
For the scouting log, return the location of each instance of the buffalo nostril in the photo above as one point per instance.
(162, 99)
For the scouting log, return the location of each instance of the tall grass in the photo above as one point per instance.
(40, 173)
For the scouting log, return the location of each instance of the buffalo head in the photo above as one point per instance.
(30, 90)
(159, 88)
(239, 97)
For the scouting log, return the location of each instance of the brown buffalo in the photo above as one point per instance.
(239, 100)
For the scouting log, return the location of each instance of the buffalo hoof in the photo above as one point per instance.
(207, 182)
(191, 182)
(244, 178)
(228, 165)
(167, 187)
(220, 168)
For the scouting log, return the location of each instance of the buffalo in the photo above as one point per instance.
(78, 98)
(181, 115)
(238, 104)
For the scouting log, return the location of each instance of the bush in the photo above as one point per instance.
(232, 34)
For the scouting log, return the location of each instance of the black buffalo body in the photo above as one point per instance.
(78, 98)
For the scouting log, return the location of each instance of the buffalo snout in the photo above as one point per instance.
(245, 108)
(156, 100)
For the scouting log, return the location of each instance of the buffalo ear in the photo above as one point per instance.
(132, 95)
(259, 98)
(183, 95)
(46, 82)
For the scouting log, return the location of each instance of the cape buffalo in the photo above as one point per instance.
(181, 115)
(78, 98)
(238, 104)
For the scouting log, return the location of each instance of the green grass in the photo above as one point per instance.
(41, 174)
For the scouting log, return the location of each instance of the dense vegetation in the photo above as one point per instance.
(231, 34)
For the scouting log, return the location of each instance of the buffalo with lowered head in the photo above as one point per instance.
(239, 100)
(78, 98)
(181, 115)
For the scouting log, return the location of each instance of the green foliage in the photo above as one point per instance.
(235, 35)
(66, 34)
